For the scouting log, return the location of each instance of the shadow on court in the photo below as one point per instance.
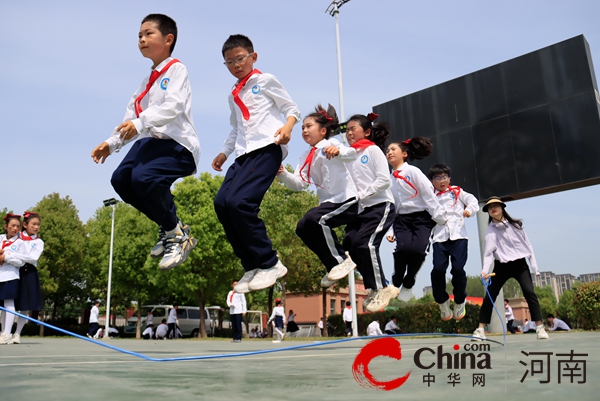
(75, 369)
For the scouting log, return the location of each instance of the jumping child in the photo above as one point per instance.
(324, 165)
(159, 114)
(375, 211)
(507, 247)
(450, 242)
(12, 246)
(417, 208)
(258, 136)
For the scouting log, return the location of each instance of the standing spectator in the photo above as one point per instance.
(237, 310)
(508, 313)
(172, 322)
(391, 327)
(93, 327)
(347, 316)
(373, 329)
(150, 318)
(278, 319)
(320, 325)
(557, 324)
(292, 327)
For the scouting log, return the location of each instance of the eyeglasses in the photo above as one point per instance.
(441, 178)
(235, 61)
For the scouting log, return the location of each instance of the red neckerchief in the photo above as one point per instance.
(6, 243)
(26, 237)
(403, 178)
(231, 297)
(308, 162)
(236, 94)
(153, 77)
(455, 190)
(362, 144)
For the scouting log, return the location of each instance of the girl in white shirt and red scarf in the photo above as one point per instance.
(417, 208)
(507, 247)
(375, 207)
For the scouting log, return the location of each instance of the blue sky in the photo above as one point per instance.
(70, 67)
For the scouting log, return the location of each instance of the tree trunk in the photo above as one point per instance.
(325, 312)
(202, 328)
(41, 318)
(283, 292)
(54, 307)
(114, 316)
(138, 329)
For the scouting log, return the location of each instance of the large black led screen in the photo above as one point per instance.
(522, 128)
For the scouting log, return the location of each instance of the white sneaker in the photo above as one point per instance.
(177, 249)
(276, 341)
(343, 269)
(265, 278)
(16, 339)
(326, 283)
(478, 334)
(242, 286)
(5, 339)
(382, 298)
(159, 249)
(541, 333)
(369, 298)
(445, 311)
(459, 311)
(405, 294)
(282, 336)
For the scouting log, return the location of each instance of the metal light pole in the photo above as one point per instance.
(334, 10)
(109, 202)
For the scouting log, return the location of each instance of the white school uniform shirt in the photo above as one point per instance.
(347, 315)
(371, 176)
(508, 313)
(277, 311)
(166, 111)
(236, 303)
(94, 314)
(32, 249)
(391, 326)
(14, 249)
(404, 199)
(148, 331)
(373, 329)
(330, 176)
(150, 319)
(172, 316)
(162, 330)
(506, 243)
(559, 324)
(453, 210)
(529, 326)
(266, 100)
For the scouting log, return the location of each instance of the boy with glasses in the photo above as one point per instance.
(450, 241)
(258, 136)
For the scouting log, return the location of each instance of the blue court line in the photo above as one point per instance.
(232, 355)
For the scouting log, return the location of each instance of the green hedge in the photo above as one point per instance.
(587, 304)
(412, 318)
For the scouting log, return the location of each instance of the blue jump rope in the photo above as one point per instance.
(237, 354)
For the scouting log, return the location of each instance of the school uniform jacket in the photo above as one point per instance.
(331, 176)
(166, 111)
(371, 176)
(266, 100)
(453, 209)
(9, 269)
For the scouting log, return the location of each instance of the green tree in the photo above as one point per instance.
(134, 272)
(547, 300)
(60, 264)
(566, 307)
(587, 304)
(212, 265)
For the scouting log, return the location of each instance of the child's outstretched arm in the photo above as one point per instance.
(284, 134)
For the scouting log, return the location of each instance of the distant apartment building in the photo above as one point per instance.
(427, 290)
(561, 282)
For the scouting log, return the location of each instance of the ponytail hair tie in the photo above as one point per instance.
(406, 141)
(27, 214)
(372, 116)
(324, 113)
(10, 216)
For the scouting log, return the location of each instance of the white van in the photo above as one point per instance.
(188, 319)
